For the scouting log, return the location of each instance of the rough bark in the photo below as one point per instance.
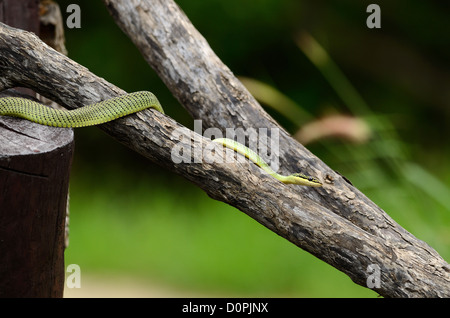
(336, 223)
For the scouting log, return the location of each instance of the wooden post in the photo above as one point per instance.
(22, 14)
(35, 162)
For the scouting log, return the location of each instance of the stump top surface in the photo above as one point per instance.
(22, 137)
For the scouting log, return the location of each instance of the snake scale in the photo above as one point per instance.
(94, 114)
(111, 109)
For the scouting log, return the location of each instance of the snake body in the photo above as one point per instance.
(296, 178)
(94, 114)
(111, 109)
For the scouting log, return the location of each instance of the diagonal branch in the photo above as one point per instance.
(317, 220)
(209, 90)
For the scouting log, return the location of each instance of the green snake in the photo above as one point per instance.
(111, 109)
(94, 114)
(296, 178)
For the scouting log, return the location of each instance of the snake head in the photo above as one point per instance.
(299, 178)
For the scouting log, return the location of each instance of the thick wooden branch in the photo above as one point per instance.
(336, 223)
(208, 90)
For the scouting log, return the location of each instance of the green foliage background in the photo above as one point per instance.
(129, 216)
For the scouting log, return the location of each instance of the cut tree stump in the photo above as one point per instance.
(35, 162)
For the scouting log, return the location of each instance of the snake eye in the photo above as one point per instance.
(310, 179)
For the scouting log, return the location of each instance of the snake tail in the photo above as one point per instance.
(94, 114)
(296, 178)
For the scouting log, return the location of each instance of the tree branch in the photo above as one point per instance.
(336, 223)
(208, 90)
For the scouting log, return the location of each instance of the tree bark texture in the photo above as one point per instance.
(336, 223)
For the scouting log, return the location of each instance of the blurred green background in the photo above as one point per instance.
(317, 59)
